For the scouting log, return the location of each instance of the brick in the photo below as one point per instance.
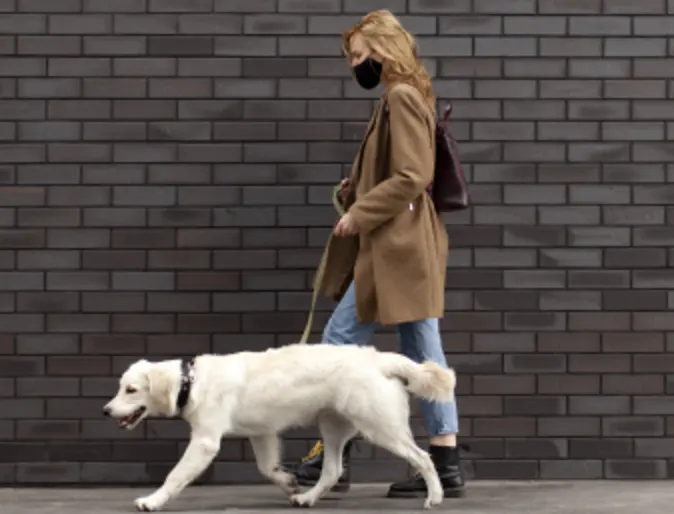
(48, 45)
(505, 300)
(364, 6)
(114, 87)
(111, 345)
(78, 109)
(174, 174)
(626, 173)
(599, 236)
(496, 384)
(652, 279)
(598, 109)
(599, 321)
(600, 26)
(49, 88)
(533, 236)
(469, 25)
(501, 47)
(635, 131)
(143, 323)
(635, 89)
(137, 280)
(113, 45)
(643, 342)
(113, 259)
(636, 469)
(532, 405)
(112, 302)
(77, 323)
(144, 109)
(569, 384)
(180, 5)
(571, 47)
(599, 405)
(535, 279)
(653, 405)
(509, 426)
(506, 7)
(627, 7)
(652, 68)
(118, 6)
(570, 300)
(597, 363)
(47, 302)
(146, 24)
(600, 68)
(633, 426)
(534, 25)
(503, 342)
(635, 300)
(652, 110)
(571, 469)
(652, 194)
(240, 46)
(142, 238)
(508, 258)
(633, 384)
(531, 449)
(535, 68)
(531, 363)
(653, 321)
(506, 470)
(47, 259)
(470, 67)
(635, 47)
(600, 448)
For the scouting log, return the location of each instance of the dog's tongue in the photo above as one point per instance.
(125, 421)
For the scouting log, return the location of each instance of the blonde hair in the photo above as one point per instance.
(385, 35)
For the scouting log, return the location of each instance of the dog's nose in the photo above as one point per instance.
(106, 411)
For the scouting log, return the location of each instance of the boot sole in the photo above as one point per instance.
(452, 493)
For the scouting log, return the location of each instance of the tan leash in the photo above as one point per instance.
(320, 271)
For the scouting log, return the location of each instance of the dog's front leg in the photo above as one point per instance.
(200, 452)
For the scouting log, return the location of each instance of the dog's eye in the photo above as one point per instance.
(131, 390)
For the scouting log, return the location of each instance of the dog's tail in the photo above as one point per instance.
(428, 380)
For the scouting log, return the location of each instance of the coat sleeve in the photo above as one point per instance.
(411, 161)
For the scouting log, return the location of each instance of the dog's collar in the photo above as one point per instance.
(186, 380)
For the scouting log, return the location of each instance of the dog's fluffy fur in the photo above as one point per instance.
(344, 389)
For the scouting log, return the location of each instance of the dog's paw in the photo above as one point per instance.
(301, 500)
(432, 501)
(148, 504)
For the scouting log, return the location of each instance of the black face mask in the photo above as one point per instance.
(368, 73)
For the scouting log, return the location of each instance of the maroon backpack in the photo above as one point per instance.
(448, 190)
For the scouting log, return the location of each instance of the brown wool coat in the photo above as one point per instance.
(398, 261)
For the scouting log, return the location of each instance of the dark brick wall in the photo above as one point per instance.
(166, 171)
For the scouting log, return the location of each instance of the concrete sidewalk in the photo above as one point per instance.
(483, 498)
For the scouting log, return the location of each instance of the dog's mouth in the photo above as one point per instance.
(132, 419)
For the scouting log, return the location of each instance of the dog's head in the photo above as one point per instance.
(145, 389)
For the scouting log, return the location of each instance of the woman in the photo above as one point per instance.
(387, 257)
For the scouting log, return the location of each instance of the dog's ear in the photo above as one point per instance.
(161, 386)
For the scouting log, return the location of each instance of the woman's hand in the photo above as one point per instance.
(346, 226)
(344, 188)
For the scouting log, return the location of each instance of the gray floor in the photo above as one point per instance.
(483, 497)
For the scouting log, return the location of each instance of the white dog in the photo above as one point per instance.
(344, 389)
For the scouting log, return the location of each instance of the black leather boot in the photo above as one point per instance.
(309, 469)
(447, 463)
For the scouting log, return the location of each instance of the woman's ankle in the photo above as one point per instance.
(443, 440)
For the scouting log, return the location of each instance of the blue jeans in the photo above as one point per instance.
(419, 340)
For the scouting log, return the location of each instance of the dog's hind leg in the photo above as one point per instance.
(401, 443)
(268, 456)
(336, 432)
